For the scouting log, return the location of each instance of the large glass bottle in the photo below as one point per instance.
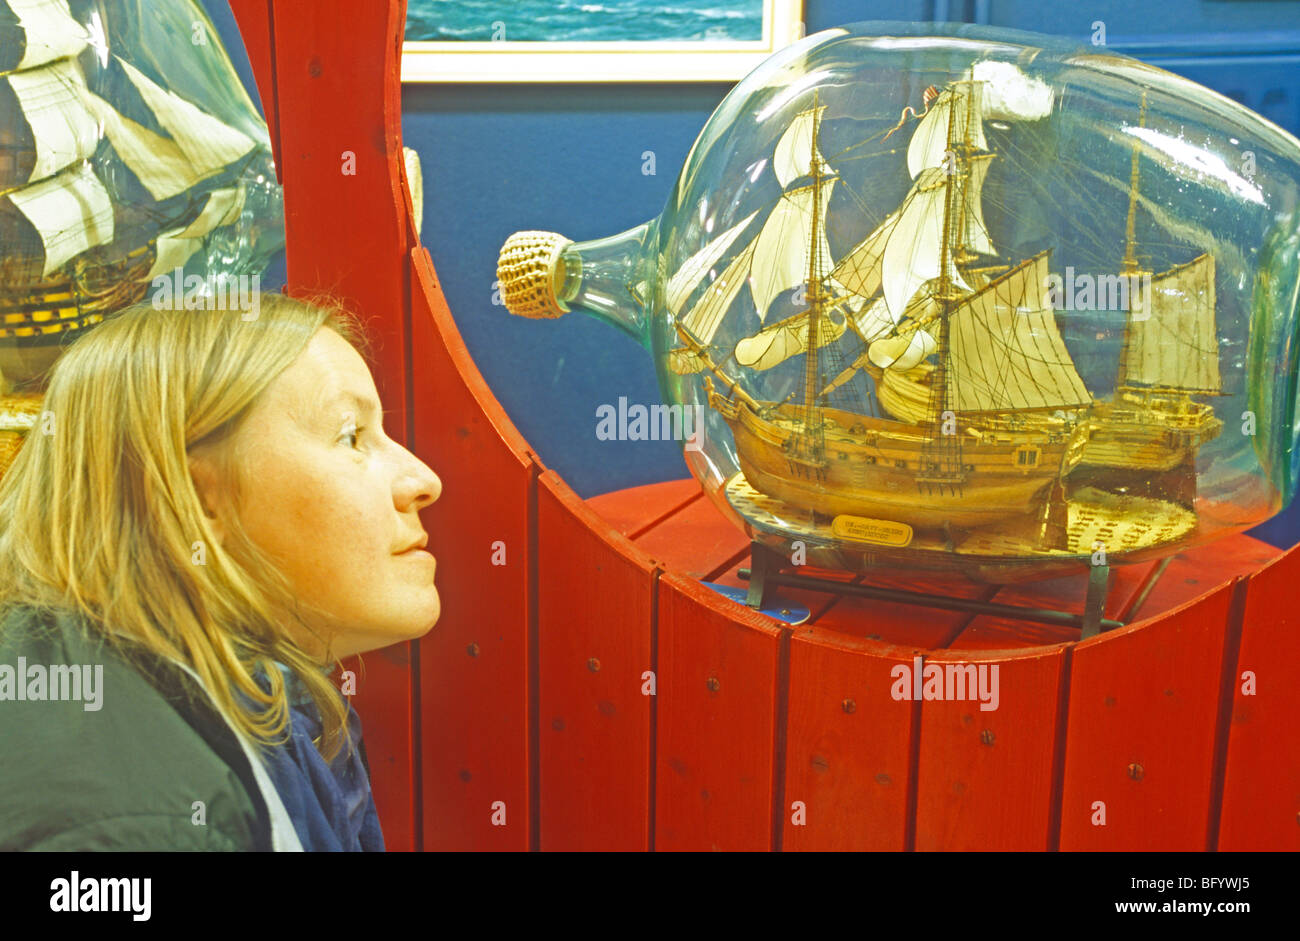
(968, 299)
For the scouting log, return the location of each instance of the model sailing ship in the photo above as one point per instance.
(72, 252)
(986, 416)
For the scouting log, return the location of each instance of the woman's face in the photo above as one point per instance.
(335, 501)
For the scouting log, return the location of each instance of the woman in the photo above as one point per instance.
(207, 517)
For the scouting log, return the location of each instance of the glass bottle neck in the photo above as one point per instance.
(613, 279)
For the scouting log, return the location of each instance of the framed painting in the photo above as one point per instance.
(606, 41)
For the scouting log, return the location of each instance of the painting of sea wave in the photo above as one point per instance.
(583, 20)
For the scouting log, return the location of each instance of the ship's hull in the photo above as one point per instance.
(875, 468)
(1138, 431)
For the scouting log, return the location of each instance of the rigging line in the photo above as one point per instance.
(1013, 158)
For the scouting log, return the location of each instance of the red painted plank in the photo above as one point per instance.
(337, 64)
(988, 632)
(696, 541)
(474, 665)
(985, 775)
(1261, 795)
(717, 722)
(254, 20)
(1199, 571)
(1144, 704)
(636, 509)
(595, 623)
(907, 625)
(848, 746)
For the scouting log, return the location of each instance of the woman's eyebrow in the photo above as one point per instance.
(365, 405)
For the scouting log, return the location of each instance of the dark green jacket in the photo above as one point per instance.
(123, 776)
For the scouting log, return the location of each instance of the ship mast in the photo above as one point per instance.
(811, 444)
(941, 455)
(1130, 267)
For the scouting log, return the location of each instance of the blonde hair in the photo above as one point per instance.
(103, 517)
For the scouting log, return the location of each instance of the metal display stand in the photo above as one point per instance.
(765, 573)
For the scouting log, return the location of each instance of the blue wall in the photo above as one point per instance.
(501, 158)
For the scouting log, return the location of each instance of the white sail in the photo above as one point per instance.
(49, 31)
(1005, 351)
(779, 342)
(174, 248)
(843, 296)
(688, 277)
(795, 152)
(902, 351)
(159, 164)
(912, 253)
(63, 131)
(1172, 339)
(780, 252)
(859, 270)
(976, 236)
(208, 143)
(930, 139)
(72, 212)
(706, 315)
(874, 322)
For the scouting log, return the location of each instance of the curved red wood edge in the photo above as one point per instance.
(477, 665)
(596, 663)
(1261, 786)
(253, 18)
(1146, 737)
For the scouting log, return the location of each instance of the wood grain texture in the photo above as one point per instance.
(1143, 708)
(848, 746)
(1200, 571)
(695, 541)
(637, 509)
(989, 632)
(476, 681)
(717, 721)
(1261, 795)
(985, 775)
(595, 630)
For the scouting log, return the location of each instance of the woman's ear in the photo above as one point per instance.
(208, 484)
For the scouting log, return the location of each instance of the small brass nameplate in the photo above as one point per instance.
(877, 532)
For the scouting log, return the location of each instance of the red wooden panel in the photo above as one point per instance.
(254, 20)
(985, 776)
(595, 623)
(1144, 705)
(346, 233)
(987, 632)
(848, 746)
(907, 625)
(474, 665)
(696, 541)
(636, 509)
(1261, 795)
(718, 721)
(1198, 571)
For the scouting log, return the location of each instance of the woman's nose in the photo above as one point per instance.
(419, 486)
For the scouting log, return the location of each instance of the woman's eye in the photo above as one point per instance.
(351, 435)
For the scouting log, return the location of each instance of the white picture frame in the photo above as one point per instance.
(702, 60)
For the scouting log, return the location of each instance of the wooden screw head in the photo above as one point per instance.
(472, 650)
(593, 665)
(849, 705)
(713, 684)
(987, 736)
(1135, 771)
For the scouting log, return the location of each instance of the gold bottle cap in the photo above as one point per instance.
(529, 270)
